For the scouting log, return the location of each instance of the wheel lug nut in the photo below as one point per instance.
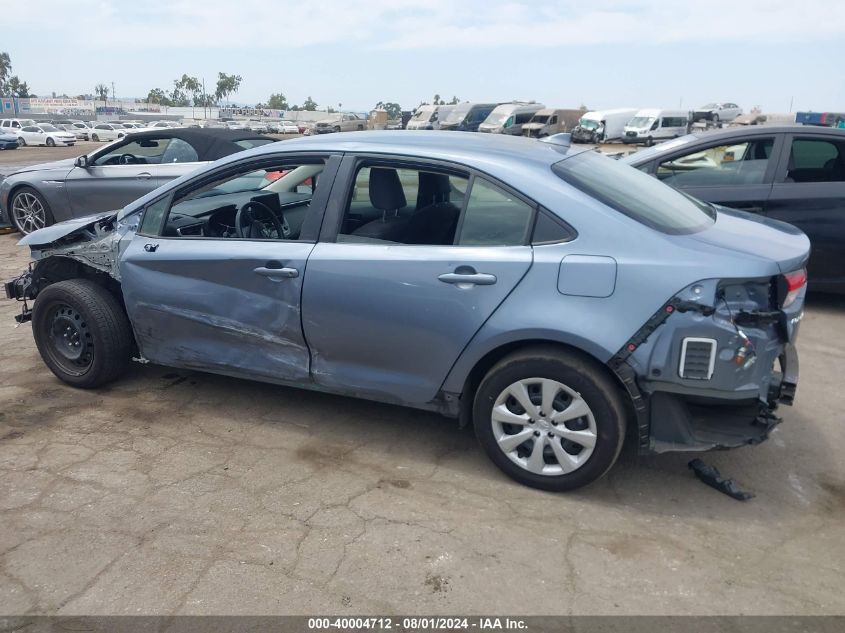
(551, 434)
(537, 433)
(531, 421)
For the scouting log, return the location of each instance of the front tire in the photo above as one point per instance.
(549, 419)
(94, 137)
(82, 333)
(21, 141)
(50, 142)
(29, 210)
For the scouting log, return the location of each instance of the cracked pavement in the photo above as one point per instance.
(176, 492)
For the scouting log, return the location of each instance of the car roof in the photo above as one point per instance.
(729, 134)
(210, 143)
(464, 147)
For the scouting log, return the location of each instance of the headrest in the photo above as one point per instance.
(386, 191)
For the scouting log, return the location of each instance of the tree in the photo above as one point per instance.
(5, 70)
(178, 97)
(309, 105)
(157, 95)
(454, 101)
(102, 92)
(226, 85)
(438, 101)
(394, 110)
(17, 88)
(277, 102)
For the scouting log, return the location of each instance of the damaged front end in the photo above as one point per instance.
(710, 368)
(86, 247)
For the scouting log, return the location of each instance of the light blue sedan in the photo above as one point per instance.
(551, 297)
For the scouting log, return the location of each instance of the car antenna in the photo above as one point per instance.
(564, 139)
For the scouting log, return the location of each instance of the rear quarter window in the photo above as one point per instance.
(635, 194)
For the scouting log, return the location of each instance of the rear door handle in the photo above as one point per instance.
(478, 279)
(145, 175)
(276, 274)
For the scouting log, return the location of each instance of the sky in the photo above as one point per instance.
(599, 53)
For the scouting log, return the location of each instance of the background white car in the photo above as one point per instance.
(235, 125)
(717, 112)
(45, 134)
(108, 132)
(288, 127)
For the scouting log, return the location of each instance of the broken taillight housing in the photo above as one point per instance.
(789, 285)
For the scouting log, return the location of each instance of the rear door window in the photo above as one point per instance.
(816, 160)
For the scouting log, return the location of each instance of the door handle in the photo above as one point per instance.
(144, 175)
(473, 278)
(751, 209)
(150, 248)
(276, 274)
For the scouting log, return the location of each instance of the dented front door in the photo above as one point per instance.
(226, 306)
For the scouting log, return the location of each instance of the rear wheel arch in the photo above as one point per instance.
(525, 346)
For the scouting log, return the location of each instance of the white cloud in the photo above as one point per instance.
(419, 24)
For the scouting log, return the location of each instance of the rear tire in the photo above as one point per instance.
(94, 137)
(577, 384)
(21, 141)
(82, 333)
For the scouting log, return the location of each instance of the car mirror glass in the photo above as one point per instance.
(81, 161)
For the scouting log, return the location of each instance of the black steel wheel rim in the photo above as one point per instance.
(70, 342)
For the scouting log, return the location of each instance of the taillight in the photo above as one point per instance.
(791, 285)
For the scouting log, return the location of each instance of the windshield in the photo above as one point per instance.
(499, 115)
(457, 115)
(49, 128)
(644, 154)
(588, 124)
(709, 106)
(539, 118)
(641, 121)
(422, 115)
(637, 195)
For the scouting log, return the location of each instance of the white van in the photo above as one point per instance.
(655, 124)
(425, 118)
(13, 126)
(509, 118)
(602, 126)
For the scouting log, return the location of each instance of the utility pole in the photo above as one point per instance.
(113, 98)
(791, 99)
(204, 101)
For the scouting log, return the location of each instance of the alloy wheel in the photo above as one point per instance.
(28, 213)
(543, 426)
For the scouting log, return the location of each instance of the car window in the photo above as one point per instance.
(816, 160)
(270, 203)
(30, 129)
(420, 206)
(635, 194)
(149, 151)
(740, 163)
(494, 217)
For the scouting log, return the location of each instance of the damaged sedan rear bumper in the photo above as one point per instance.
(711, 375)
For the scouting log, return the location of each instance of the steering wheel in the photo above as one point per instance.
(247, 221)
(127, 159)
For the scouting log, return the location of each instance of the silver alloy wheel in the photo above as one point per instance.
(544, 426)
(28, 213)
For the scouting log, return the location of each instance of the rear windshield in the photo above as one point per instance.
(637, 195)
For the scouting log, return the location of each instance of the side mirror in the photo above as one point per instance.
(81, 161)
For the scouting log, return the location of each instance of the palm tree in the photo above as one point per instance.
(102, 91)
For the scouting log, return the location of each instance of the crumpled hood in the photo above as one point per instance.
(55, 232)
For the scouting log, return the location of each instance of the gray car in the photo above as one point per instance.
(112, 176)
(553, 298)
